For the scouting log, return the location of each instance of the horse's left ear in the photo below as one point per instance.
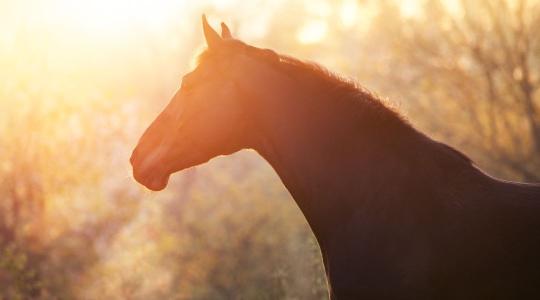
(213, 40)
(225, 32)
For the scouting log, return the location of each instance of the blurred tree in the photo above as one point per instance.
(471, 73)
(465, 72)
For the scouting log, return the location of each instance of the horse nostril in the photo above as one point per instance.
(132, 158)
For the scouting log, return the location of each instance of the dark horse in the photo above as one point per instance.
(396, 214)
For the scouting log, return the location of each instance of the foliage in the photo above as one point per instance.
(18, 278)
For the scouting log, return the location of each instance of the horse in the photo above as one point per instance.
(397, 215)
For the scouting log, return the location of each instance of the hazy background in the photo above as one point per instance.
(80, 80)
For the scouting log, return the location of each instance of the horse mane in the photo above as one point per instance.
(350, 96)
(337, 89)
(357, 98)
(317, 78)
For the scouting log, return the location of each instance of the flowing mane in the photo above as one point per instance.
(340, 90)
(341, 93)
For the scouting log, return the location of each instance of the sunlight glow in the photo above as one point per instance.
(410, 8)
(454, 7)
(349, 13)
(223, 4)
(312, 32)
(111, 16)
(318, 8)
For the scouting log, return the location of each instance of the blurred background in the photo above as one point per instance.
(80, 81)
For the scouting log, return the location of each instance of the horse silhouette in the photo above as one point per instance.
(396, 214)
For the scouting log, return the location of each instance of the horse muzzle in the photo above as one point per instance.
(149, 170)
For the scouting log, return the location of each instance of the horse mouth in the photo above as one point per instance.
(154, 182)
(148, 174)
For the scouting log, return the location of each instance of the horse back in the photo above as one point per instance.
(490, 245)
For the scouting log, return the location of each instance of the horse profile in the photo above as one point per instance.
(396, 214)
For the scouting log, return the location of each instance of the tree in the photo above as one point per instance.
(471, 74)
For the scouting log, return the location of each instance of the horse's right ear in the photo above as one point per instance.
(213, 40)
(225, 31)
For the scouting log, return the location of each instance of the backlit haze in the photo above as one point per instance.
(81, 80)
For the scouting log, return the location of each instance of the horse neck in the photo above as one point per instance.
(313, 148)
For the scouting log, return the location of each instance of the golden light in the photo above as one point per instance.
(108, 17)
(312, 32)
(349, 13)
(410, 8)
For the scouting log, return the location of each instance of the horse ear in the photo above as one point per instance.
(213, 40)
(225, 32)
